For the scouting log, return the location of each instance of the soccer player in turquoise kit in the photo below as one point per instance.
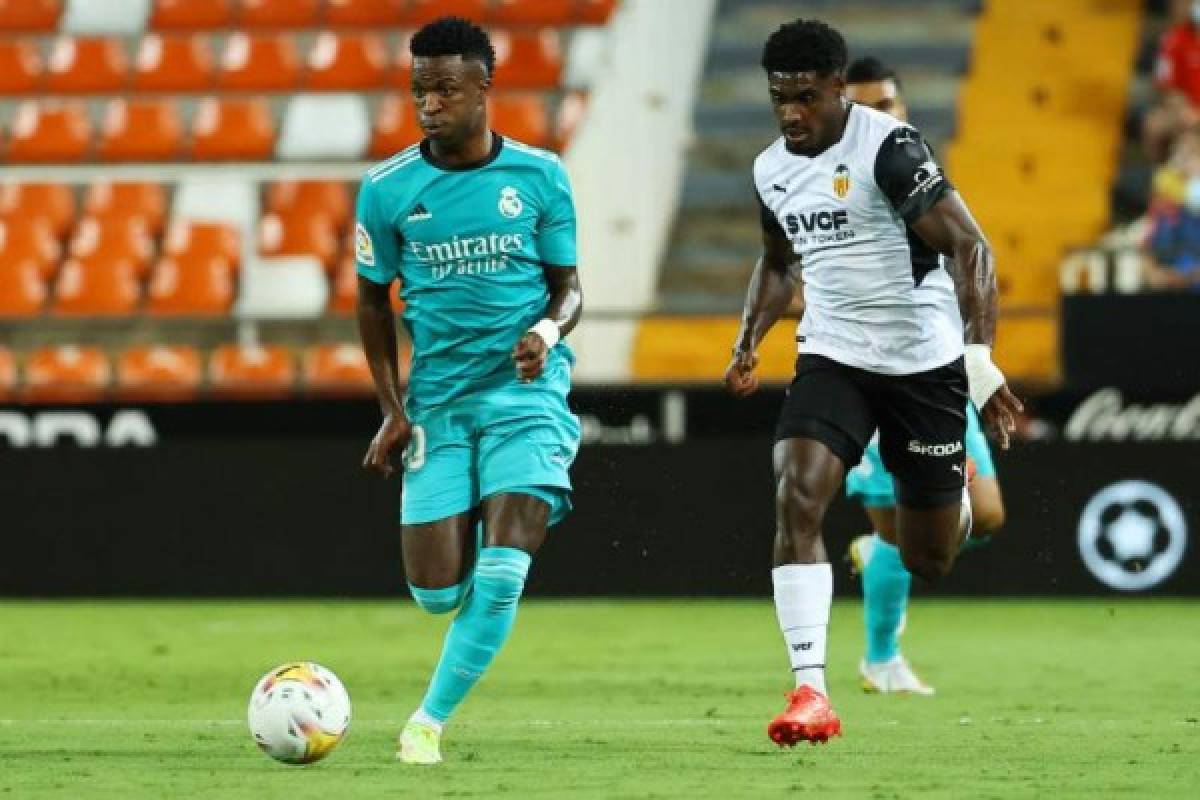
(480, 231)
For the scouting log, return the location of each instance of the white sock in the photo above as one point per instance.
(803, 595)
(420, 716)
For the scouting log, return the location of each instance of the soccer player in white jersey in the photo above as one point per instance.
(875, 557)
(853, 198)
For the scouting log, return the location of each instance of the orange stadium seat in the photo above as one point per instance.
(251, 371)
(8, 374)
(343, 299)
(593, 12)
(330, 198)
(20, 66)
(521, 117)
(32, 16)
(191, 285)
(421, 11)
(203, 239)
(66, 374)
(259, 61)
(395, 127)
(146, 201)
(346, 61)
(337, 369)
(22, 287)
(523, 12)
(527, 59)
(98, 287)
(30, 240)
(150, 373)
(173, 63)
(279, 13)
(113, 239)
(53, 202)
(363, 13)
(87, 65)
(191, 14)
(233, 129)
(298, 235)
(51, 132)
(140, 130)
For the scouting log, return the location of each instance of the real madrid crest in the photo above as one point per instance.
(510, 202)
(841, 181)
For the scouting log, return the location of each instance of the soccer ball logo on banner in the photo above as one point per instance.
(1132, 535)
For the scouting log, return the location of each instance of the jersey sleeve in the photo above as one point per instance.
(376, 247)
(908, 175)
(556, 229)
(767, 219)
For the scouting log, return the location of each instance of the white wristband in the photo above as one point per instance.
(983, 377)
(548, 330)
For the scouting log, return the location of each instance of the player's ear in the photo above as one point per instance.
(837, 83)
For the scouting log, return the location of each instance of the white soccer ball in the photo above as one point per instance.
(299, 712)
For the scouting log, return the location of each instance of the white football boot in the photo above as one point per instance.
(892, 677)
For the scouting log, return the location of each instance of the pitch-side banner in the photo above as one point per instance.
(674, 496)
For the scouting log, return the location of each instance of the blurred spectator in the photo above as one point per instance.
(1172, 246)
(1177, 76)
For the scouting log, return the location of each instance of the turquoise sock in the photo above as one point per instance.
(479, 630)
(885, 599)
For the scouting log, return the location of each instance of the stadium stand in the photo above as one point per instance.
(158, 373)
(66, 374)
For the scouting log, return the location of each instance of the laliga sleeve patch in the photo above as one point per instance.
(364, 248)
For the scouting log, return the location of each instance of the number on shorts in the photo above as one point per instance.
(414, 454)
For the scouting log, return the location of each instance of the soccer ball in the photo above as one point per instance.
(299, 712)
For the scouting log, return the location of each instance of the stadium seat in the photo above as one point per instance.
(214, 198)
(159, 373)
(191, 285)
(259, 61)
(251, 371)
(395, 127)
(363, 13)
(140, 130)
(527, 59)
(586, 57)
(50, 132)
(570, 113)
(113, 239)
(173, 63)
(324, 126)
(22, 287)
(279, 13)
(91, 17)
(298, 235)
(191, 14)
(20, 66)
(87, 65)
(346, 61)
(343, 297)
(29, 16)
(521, 117)
(146, 201)
(53, 202)
(193, 239)
(337, 370)
(228, 129)
(401, 73)
(96, 288)
(283, 287)
(421, 11)
(8, 374)
(331, 198)
(523, 12)
(593, 12)
(30, 240)
(66, 374)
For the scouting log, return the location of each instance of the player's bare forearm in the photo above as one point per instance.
(769, 294)
(950, 229)
(565, 306)
(377, 329)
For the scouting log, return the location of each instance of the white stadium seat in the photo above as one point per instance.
(324, 126)
(286, 287)
(105, 17)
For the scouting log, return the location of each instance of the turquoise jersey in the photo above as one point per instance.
(468, 246)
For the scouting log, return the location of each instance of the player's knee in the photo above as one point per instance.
(928, 566)
(438, 601)
(987, 519)
(798, 509)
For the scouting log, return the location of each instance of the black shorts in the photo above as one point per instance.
(921, 418)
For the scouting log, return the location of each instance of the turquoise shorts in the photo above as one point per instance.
(518, 438)
(871, 484)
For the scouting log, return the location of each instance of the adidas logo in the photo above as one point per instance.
(419, 213)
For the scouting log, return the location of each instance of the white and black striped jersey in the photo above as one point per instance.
(876, 296)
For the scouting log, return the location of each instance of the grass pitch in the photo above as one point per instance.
(609, 700)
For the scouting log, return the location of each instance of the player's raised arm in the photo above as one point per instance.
(767, 298)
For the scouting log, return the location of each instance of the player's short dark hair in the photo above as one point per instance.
(806, 45)
(870, 69)
(454, 36)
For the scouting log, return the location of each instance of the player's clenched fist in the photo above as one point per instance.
(739, 377)
(394, 432)
(530, 356)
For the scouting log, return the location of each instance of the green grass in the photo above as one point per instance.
(613, 700)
